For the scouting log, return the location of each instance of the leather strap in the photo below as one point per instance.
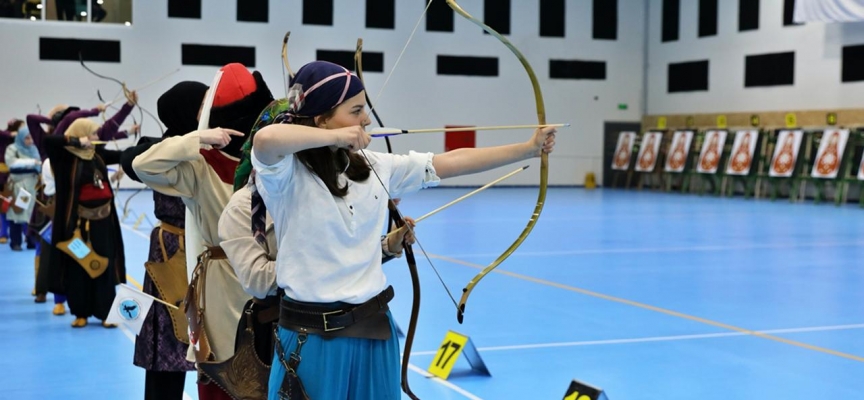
(216, 253)
(171, 228)
(328, 319)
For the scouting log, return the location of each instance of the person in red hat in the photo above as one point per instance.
(203, 179)
(164, 339)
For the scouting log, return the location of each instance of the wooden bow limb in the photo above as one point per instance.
(385, 132)
(544, 159)
(463, 197)
(287, 72)
(125, 93)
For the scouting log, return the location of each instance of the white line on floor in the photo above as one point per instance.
(455, 388)
(652, 339)
(683, 249)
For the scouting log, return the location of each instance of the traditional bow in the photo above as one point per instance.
(126, 93)
(544, 157)
(544, 161)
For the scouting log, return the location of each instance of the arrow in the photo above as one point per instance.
(475, 191)
(385, 132)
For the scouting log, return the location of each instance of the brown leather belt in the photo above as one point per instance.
(216, 253)
(367, 320)
(267, 308)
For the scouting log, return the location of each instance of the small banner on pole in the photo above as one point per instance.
(130, 307)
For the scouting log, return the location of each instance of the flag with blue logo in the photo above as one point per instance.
(130, 307)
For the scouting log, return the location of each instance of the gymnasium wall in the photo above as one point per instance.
(791, 67)
(416, 96)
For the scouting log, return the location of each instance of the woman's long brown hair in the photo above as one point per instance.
(327, 164)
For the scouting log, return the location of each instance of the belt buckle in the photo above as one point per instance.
(324, 317)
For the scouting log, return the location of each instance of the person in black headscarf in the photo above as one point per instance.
(161, 345)
(86, 220)
(204, 179)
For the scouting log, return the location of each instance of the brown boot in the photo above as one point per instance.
(79, 322)
(40, 298)
(109, 326)
(59, 309)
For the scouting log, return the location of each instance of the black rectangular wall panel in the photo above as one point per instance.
(253, 10)
(748, 15)
(372, 61)
(318, 12)
(439, 17)
(853, 63)
(773, 69)
(202, 54)
(605, 19)
(707, 18)
(496, 14)
(68, 49)
(552, 18)
(691, 76)
(381, 14)
(470, 66)
(789, 13)
(671, 17)
(577, 69)
(184, 9)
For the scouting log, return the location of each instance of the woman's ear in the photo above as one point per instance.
(320, 122)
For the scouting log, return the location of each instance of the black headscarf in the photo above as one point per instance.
(178, 110)
(178, 107)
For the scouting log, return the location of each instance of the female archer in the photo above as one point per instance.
(328, 199)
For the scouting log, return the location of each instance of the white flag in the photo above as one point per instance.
(130, 307)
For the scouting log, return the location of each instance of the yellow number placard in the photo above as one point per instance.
(661, 122)
(576, 396)
(447, 355)
(582, 391)
(791, 120)
(721, 121)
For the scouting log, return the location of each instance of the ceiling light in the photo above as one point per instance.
(128, 23)
(83, 13)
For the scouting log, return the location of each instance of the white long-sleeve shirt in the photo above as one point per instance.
(330, 247)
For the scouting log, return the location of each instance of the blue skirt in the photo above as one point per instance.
(342, 368)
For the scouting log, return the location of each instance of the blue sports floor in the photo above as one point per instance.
(646, 295)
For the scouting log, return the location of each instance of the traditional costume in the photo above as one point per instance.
(85, 221)
(163, 340)
(204, 179)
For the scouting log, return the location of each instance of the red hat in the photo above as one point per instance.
(239, 98)
(236, 84)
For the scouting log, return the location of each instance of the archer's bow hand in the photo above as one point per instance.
(132, 98)
(543, 140)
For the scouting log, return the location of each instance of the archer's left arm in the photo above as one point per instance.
(110, 156)
(110, 128)
(468, 161)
